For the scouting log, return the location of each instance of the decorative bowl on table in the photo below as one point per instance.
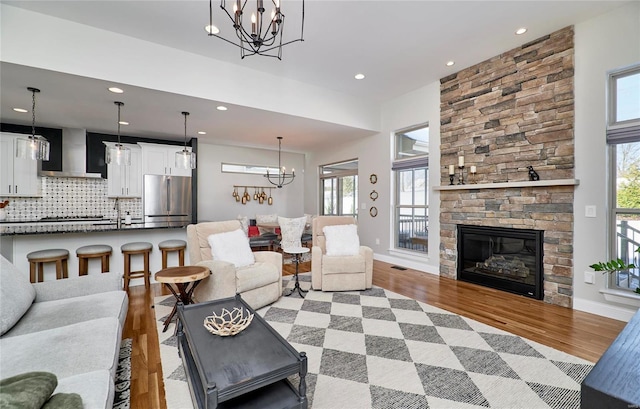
(228, 323)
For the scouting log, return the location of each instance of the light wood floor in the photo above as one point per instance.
(577, 333)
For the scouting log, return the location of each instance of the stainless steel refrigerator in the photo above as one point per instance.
(167, 200)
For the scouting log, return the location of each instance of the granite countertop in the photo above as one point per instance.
(24, 228)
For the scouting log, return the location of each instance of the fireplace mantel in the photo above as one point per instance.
(505, 185)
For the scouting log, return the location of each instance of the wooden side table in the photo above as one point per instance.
(185, 279)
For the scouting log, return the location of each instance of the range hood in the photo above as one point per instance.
(74, 156)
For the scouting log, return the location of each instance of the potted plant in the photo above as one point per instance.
(614, 266)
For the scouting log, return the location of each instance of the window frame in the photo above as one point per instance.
(337, 181)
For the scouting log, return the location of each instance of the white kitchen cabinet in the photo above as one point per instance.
(125, 181)
(18, 177)
(161, 159)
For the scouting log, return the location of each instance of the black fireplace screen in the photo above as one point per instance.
(503, 258)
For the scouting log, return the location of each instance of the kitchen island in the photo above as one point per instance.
(17, 239)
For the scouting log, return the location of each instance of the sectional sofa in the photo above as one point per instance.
(71, 328)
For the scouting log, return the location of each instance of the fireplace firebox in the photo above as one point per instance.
(502, 258)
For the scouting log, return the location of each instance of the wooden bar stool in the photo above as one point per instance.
(172, 245)
(84, 253)
(131, 249)
(38, 258)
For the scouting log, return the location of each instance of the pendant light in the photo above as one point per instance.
(185, 159)
(118, 154)
(34, 147)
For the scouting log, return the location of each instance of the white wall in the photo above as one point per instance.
(601, 44)
(215, 201)
(374, 155)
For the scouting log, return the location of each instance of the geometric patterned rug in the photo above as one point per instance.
(122, 380)
(379, 349)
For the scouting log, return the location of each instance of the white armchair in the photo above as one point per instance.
(259, 284)
(338, 273)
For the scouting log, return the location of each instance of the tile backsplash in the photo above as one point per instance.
(70, 197)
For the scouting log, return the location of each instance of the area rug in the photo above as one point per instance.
(123, 377)
(379, 349)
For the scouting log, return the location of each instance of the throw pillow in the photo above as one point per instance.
(266, 218)
(64, 401)
(233, 247)
(342, 240)
(16, 294)
(27, 390)
(244, 222)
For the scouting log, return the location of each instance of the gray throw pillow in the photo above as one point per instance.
(64, 401)
(16, 294)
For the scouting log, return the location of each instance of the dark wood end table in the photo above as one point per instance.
(185, 279)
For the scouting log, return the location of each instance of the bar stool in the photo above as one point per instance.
(131, 249)
(172, 245)
(84, 253)
(38, 258)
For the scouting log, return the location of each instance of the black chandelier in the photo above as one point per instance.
(262, 35)
(282, 178)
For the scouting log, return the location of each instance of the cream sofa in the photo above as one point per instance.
(259, 284)
(338, 273)
(70, 327)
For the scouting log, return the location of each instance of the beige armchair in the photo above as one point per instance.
(259, 284)
(338, 273)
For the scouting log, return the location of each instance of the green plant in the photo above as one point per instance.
(614, 266)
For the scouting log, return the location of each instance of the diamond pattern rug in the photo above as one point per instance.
(379, 349)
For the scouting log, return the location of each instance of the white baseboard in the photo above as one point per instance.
(414, 264)
(605, 310)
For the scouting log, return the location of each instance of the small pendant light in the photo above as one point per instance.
(34, 147)
(118, 154)
(185, 159)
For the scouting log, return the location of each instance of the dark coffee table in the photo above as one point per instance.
(248, 370)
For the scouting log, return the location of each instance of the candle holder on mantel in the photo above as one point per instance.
(461, 177)
(451, 177)
(472, 175)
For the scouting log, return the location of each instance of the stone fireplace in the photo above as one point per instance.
(507, 113)
(503, 258)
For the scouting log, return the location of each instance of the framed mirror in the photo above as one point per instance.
(373, 195)
(373, 212)
(373, 178)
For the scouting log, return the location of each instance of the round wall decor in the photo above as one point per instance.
(373, 195)
(373, 178)
(373, 211)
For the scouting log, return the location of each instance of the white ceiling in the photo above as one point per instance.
(398, 45)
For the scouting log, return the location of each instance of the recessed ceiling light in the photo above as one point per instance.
(521, 31)
(450, 63)
(211, 29)
(123, 123)
(359, 76)
(202, 133)
(116, 90)
(221, 108)
(21, 110)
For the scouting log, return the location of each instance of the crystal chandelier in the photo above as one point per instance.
(282, 178)
(185, 159)
(34, 147)
(261, 35)
(118, 154)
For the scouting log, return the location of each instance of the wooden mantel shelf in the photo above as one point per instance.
(505, 185)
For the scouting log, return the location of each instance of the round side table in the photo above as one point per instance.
(296, 251)
(185, 279)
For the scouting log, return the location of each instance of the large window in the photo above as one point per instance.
(411, 170)
(339, 184)
(623, 137)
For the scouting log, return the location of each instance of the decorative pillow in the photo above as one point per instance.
(64, 401)
(233, 247)
(291, 231)
(244, 222)
(16, 294)
(266, 218)
(310, 217)
(342, 240)
(253, 231)
(27, 390)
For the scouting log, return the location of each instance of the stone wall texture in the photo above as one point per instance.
(504, 114)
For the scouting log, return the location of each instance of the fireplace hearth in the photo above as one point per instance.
(502, 258)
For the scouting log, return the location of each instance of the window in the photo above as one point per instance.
(623, 137)
(250, 169)
(339, 184)
(411, 169)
